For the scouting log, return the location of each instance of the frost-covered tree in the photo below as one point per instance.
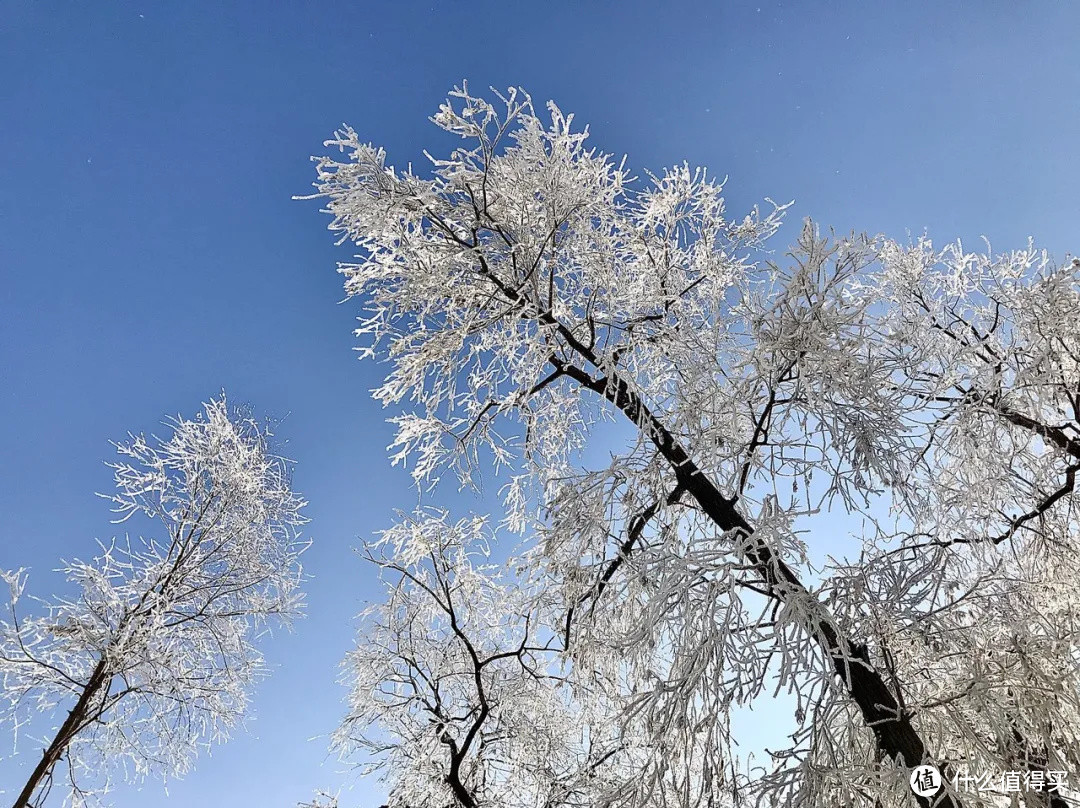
(153, 655)
(473, 697)
(530, 289)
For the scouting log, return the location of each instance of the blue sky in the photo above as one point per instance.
(150, 253)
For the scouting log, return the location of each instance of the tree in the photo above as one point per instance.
(472, 703)
(155, 655)
(530, 289)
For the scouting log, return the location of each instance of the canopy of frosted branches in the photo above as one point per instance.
(157, 641)
(528, 286)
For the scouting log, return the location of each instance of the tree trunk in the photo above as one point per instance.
(68, 730)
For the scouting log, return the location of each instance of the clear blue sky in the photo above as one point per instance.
(150, 253)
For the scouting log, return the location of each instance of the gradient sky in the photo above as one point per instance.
(150, 253)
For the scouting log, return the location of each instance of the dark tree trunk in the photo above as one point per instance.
(64, 735)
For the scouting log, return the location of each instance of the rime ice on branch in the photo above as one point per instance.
(155, 656)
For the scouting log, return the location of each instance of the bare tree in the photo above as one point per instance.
(154, 655)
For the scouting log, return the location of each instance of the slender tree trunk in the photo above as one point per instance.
(68, 730)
